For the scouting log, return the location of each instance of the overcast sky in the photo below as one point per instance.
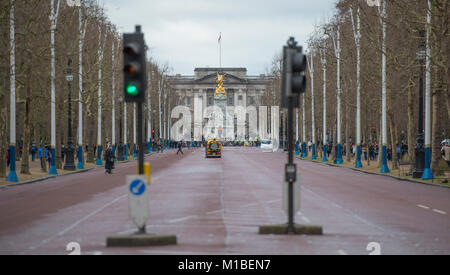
(184, 33)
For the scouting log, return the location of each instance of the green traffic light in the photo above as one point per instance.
(132, 90)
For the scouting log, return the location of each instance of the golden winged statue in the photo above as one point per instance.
(219, 82)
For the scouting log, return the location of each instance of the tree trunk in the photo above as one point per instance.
(380, 145)
(59, 129)
(411, 126)
(91, 136)
(393, 131)
(91, 146)
(3, 133)
(436, 135)
(25, 167)
(347, 134)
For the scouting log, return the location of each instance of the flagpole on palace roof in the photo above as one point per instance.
(220, 50)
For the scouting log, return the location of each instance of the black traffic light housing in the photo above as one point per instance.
(134, 66)
(293, 76)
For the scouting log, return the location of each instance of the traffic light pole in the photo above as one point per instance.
(291, 229)
(135, 86)
(140, 144)
(293, 85)
(140, 136)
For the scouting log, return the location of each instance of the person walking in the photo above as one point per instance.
(40, 157)
(33, 152)
(48, 155)
(7, 157)
(445, 152)
(109, 159)
(180, 146)
(20, 151)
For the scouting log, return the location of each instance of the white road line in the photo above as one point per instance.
(182, 219)
(59, 234)
(435, 210)
(341, 252)
(440, 211)
(213, 212)
(90, 215)
(306, 219)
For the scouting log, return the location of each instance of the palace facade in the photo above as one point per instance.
(241, 89)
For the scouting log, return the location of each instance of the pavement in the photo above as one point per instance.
(215, 206)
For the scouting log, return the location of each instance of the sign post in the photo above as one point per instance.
(138, 200)
(296, 200)
(135, 86)
(293, 84)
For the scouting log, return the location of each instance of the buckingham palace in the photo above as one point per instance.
(241, 90)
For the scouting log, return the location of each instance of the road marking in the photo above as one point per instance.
(435, 210)
(182, 219)
(342, 252)
(90, 215)
(306, 219)
(59, 234)
(213, 212)
(440, 211)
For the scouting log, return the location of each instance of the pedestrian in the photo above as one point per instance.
(33, 152)
(63, 151)
(7, 157)
(109, 159)
(446, 153)
(20, 151)
(364, 149)
(371, 152)
(41, 158)
(48, 155)
(180, 146)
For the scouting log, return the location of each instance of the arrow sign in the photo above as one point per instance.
(138, 200)
(137, 187)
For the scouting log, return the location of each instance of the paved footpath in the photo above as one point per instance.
(215, 206)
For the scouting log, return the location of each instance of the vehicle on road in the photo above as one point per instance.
(267, 146)
(213, 149)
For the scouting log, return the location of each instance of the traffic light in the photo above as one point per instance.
(134, 66)
(294, 80)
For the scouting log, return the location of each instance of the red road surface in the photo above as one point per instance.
(215, 206)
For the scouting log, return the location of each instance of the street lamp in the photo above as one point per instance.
(120, 152)
(70, 163)
(419, 148)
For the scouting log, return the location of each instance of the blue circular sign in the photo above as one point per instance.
(137, 187)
